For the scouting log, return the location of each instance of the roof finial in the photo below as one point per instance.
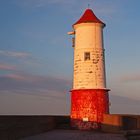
(88, 5)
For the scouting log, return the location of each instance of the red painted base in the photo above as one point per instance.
(88, 107)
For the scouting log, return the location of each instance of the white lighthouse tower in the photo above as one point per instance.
(89, 96)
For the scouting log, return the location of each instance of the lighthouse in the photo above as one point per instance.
(89, 95)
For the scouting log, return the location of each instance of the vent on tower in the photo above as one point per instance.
(73, 42)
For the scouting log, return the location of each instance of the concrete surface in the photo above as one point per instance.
(75, 135)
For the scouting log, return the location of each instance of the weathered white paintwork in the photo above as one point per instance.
(89, 74)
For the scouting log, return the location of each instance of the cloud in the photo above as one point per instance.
(106, 8)
(16, 77)
(19, 61)
(33, 82)
(72, 5)
(50, 94)
(42, 3)
(124, 105)
(62, 2)
(130, 78)
(15, 54)
(7, 67)
(34, 102)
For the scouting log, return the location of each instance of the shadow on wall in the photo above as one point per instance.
(117, 122)
(16, 127)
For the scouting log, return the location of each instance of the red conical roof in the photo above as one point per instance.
(88, 17)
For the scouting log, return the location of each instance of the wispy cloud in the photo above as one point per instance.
(130, 78)
(16, 77)
(23, 61)
(106, 8)
(62, 1)
(124, 105)
(15, 54)
(7, 67)
(31, 82)
(42, 3)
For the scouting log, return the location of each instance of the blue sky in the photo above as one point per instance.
(36, 57)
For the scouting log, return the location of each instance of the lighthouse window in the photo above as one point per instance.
(87, 56)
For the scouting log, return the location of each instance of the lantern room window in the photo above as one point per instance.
(87, 56)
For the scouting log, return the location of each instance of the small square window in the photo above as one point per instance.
(87, 56)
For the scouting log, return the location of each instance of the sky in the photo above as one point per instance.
(36, 57)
